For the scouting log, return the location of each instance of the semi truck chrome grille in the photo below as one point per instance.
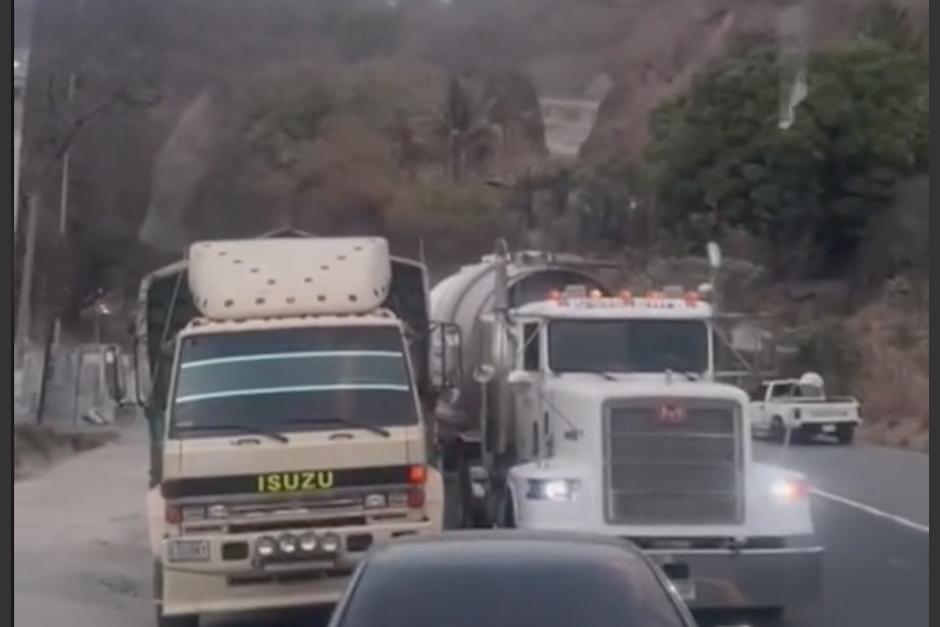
(673, 462)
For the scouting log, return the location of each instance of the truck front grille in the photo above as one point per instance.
(686, 470)
(253, 514)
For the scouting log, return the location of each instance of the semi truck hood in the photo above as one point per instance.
(320, 450)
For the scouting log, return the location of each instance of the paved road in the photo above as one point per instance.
(871, 511)
(80, 557)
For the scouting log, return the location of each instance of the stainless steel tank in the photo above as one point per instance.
(467, 296)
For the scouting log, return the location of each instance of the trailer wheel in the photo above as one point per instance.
(188, 620)
(845, 434)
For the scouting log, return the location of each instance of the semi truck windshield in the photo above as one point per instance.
(628, 346)
(292, 380)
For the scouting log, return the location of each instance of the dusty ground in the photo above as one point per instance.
(80, 539)
(35, 448)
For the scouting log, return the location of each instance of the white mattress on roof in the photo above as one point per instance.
(256, 278)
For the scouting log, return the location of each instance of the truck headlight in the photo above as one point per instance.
(553, 489)
(790, 491)
(330, 543)
(287, 544)
(308, 542)
(266, 547)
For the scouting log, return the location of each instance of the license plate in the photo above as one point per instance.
(686, 589)
(829, 428)
(188, 551)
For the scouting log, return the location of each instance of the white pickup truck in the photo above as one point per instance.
(801, 407)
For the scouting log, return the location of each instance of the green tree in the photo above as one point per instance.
(464, 120)
(722, 161)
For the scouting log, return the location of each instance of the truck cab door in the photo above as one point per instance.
(531, 428)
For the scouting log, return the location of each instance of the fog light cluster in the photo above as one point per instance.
(290, 545)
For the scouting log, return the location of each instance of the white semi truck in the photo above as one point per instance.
(592, 410)
(287, 385)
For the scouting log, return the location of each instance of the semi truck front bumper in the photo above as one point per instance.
(745, 578)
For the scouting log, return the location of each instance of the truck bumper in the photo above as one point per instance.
(747, 578)
(186, 593)
(246, 584)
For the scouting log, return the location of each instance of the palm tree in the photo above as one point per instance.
(464, 121)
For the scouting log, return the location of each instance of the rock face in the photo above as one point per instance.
(662, 69)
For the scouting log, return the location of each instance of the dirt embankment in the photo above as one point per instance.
(893, 376)
(36, 447)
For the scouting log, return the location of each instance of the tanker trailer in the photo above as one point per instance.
(466, 300)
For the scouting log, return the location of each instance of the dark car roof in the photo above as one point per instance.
(457, 544)
(484, 549)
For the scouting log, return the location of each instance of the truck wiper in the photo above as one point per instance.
(274, 435)
(340, 421)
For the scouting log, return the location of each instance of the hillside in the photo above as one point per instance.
(418, 119)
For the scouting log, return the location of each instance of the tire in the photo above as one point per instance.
(506, 517)
(470, 516)
(186, 620)
(778, 433)
(845, 434)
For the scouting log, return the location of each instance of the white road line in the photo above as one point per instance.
(871, 510)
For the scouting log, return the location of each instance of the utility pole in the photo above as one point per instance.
(26, 286)
(66, 165)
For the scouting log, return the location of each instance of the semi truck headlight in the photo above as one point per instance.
(330, 543)
(553, 489)
(266, 547)
(790, 491)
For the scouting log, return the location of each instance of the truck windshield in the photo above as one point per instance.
(292, 380)
(628, 346)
